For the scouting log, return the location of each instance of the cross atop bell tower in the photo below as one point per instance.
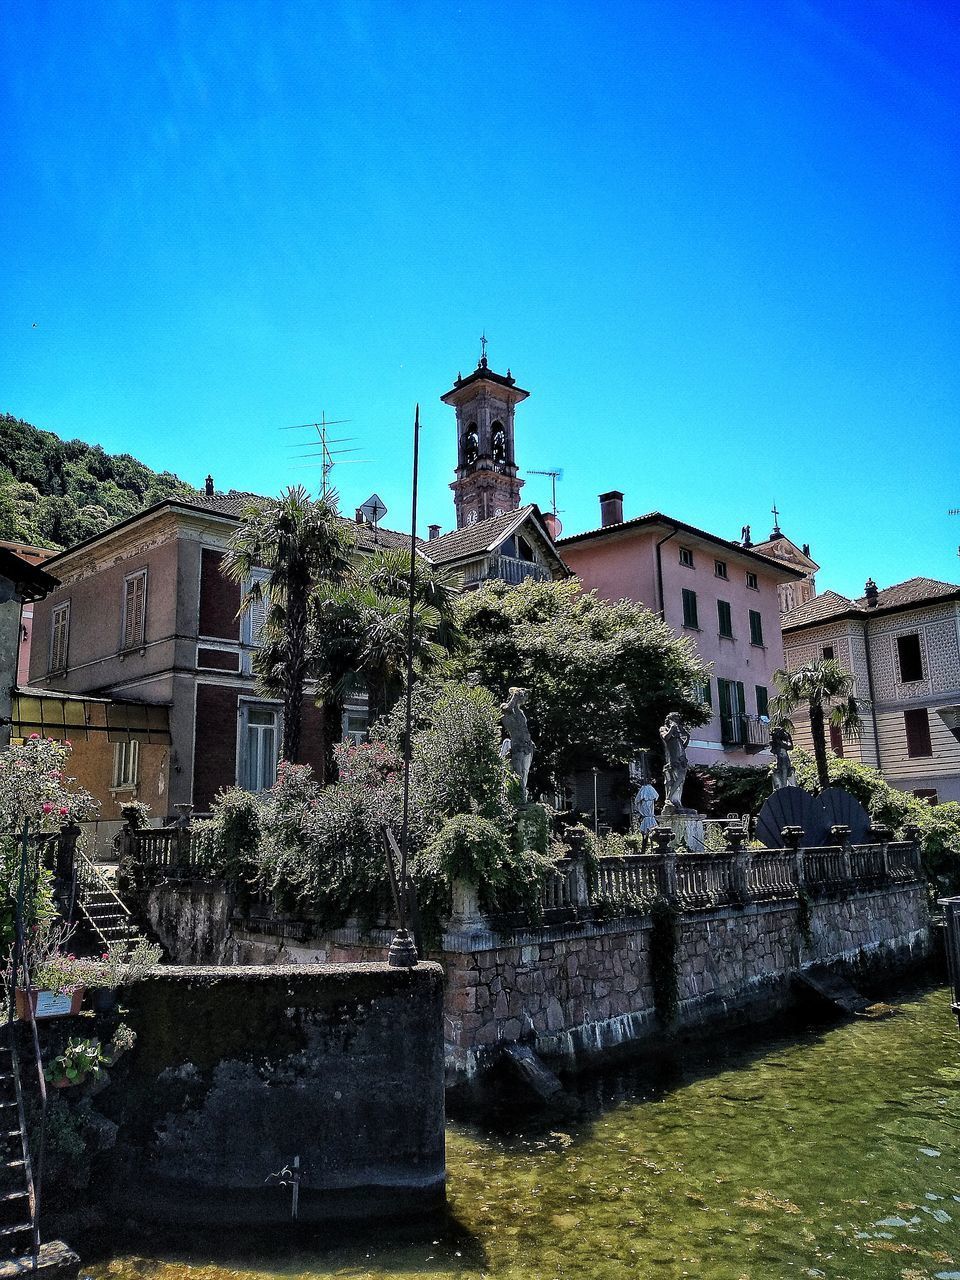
(486, 483)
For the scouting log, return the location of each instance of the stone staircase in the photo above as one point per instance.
(100, 910)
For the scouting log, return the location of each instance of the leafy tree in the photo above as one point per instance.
(601, 676)
(46, 483)
(826, 690)
(360, 627)
(301, 544)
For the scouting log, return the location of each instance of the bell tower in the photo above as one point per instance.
(486, 483)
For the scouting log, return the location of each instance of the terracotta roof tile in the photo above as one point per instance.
(472, 539)
(909, 594)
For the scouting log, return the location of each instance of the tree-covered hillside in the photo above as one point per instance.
(56, 492)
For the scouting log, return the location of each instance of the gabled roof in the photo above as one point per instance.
(474, 539)
(654, 518)
(232, 505)
(775, 547)
(30, 582)
(831, 606)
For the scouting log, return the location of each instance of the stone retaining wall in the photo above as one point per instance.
(585, 989)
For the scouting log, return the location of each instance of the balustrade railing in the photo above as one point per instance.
(170, 853)
(825, 868)
(637, 876)
(771, 874)
(704, 881)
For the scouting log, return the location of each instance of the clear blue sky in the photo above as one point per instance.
(717, 241)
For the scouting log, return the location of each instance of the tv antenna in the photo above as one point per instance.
(373, 511)
(328, 456)
(555, 474)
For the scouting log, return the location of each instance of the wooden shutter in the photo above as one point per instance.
(59, 636)
(135, 595)
(724, 618)
(917, 725)
(689, 608)
(836, 740)
(756, 627)
(763, 701)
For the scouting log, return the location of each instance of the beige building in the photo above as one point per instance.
(902, 645)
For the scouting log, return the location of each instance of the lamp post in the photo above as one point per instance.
(403, 952)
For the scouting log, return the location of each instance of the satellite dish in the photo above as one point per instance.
(374, 509)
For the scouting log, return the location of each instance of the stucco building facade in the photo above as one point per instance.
(721, 594)
(902, 646)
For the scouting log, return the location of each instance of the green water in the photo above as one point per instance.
(826, 1153)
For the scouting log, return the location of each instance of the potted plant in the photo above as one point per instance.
(124, 1038)
(119, 966)
(56, 976)
(80, 1059)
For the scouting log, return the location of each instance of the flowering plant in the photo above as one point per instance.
(34, 787)
(122, 964)
(51, 967)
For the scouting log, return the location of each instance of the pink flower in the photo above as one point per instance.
(63, 812)
(67, 742)
(33, 736)
(47, 808)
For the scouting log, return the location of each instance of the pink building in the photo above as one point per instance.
(721, 594)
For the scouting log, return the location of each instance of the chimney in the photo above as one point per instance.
(433, 531)
(359, 516)
(871, 593)
(553, 525)
(208, 486)
(611, 508)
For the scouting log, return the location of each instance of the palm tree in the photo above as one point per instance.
(302, 545)
(359, 630)
(827, 692)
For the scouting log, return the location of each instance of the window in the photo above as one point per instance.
(255, 614)
(59, 636)
(126, 764)
(756, 628)
(763, 700)
(134, 608)
(828, 652)
(752, 582)
(355, 725)
(724, 619)
(836, 740)
(701, 693)
(259, 746)
(686, 557)
(917, 725)
(720, 568)
(910, 658)
(690, 609)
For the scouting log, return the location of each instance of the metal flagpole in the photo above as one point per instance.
(403, 952)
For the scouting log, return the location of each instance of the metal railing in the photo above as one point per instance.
(741, 730)
(951, 920)
(20, 976)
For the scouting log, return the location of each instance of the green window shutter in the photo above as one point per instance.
(756, 627)
(689, 608)
(724, 618)
(707, 693)
(763, 701)
(741, 703)
(723, 696)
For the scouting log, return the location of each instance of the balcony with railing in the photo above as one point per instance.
(740, 730)
(509, 569)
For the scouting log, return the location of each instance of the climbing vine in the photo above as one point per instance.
(803, 916)
(664, 968)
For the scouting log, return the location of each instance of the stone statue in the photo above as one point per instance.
(781, 744)
(642, 816)
(517, 745)
(676, 739)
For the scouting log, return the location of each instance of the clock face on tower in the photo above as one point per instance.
(498, 511)
(472, 517)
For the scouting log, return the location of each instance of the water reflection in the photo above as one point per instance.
(829, 1153)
